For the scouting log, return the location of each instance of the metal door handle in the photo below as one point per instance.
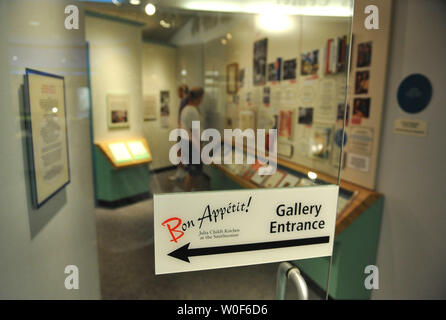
(288, 271)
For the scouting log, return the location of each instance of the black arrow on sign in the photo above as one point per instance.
(183, 253)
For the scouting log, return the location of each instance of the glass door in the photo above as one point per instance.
(174, 149)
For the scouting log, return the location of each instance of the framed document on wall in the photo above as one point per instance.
(47, 139)
(118, 110)
(232, 78)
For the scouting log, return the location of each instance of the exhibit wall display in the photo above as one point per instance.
(312, 84)
(47, 134)
(366, 95)
(116, 78)
(306, 96)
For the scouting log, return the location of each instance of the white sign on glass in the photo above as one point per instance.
(209, 230)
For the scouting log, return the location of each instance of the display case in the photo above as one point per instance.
(357, 224)
(121, 171)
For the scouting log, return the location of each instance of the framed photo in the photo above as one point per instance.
(364, 54)
(361, 107)
(305, 116)
(362, 82)
(118, 106)
(149, 107)
(47, 138)
(310, 63)
(289, 69)
(165, 108)
(259, 63)
(232, 78)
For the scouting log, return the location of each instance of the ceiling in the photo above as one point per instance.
(176, 16)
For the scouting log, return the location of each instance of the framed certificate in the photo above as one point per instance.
(47, 139)
(232, 78)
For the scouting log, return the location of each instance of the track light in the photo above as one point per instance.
(150, 9)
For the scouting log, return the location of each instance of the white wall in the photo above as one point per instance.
(411, 175)
(37, 245)
(116, 68)
(159, 74)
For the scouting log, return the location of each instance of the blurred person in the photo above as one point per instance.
(189, 114)
(183, 94)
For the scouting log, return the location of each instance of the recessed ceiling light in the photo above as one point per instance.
(312, 175)
(165, 24)
(228, 36)
(224, 41)
(150, 9)
(135, 2)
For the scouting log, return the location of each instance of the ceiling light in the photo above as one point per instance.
(150, 9)
(274, 22)
(224, 41)
(165, 24)
(228, 36)
(312, 175)
(135, 2)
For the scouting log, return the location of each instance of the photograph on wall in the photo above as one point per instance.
(289, 69)
(232, 78)
(165, 108)
(305, 116)
(259, 66)
(285, 123)
(46, 125)
(320, 143)
(361, 108)
(266, 96)
(362, 82)
(310, 63)
(241, 78)
(118, 110)
(271, 72)
(149, 107)
(274, 70)
(364, 54)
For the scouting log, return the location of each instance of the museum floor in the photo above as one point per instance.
(126, 260)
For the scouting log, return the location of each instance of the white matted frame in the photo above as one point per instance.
(47, 137)
(118, 108)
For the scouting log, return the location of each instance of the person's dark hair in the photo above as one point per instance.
(183, 90)
(196, 94)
